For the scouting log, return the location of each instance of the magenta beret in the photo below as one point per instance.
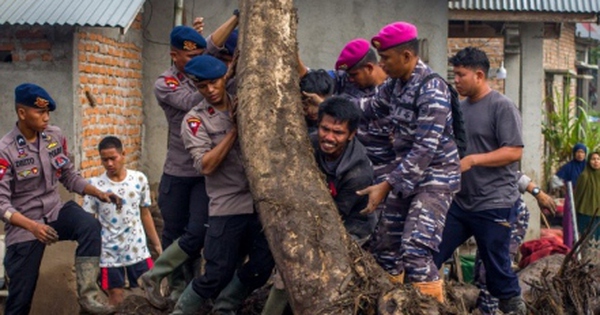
(354, 51)
(394, 34)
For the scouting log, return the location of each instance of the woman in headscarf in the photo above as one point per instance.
(570, 171)
(587, 200)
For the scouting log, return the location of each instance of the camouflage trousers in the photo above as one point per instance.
(486, 303)
(408, 232)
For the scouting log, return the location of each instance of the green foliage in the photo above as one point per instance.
(564, 128)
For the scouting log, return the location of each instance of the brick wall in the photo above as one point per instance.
(559, 54)
(110, 93)
(493, 47)
(29, 44)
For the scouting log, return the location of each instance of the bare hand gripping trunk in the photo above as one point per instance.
(324, 271)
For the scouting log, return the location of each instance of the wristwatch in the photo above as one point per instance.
(535, 191)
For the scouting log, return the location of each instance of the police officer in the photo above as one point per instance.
(182, 197)
(209, 133)
(427, 172)
(33, 160)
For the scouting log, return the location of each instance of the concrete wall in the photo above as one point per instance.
(532, 80)
(42, 55)
(324, 27)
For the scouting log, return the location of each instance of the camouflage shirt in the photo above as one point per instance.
(426, 154)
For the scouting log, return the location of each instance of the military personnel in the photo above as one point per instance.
(209, 133)
(33, 160)
(487, 203)
(182, 196)
(427, 172)
(359, 75)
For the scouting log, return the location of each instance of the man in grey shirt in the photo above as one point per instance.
(486, 205)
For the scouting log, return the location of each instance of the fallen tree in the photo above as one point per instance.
(324, 271)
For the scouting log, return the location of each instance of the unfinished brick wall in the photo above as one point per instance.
(493, 47)
(28, 44)
(560, 54)
(110, 93)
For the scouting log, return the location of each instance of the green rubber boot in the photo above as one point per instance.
(171, 258)
(189, 302)
(231, 297)
(87, 270)
(276, 302)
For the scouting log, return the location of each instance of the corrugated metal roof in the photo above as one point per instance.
(556, 6)
(113, 13)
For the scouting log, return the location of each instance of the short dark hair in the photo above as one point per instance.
(472, 58)
(342, 110)
(370, 57)
(110, 142)
(318, 82)
(411, 45)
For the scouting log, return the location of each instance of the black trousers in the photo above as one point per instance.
(228, 240)
(22, 260)
(183, 204)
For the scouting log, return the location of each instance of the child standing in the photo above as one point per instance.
(124, 249)
(587, 200)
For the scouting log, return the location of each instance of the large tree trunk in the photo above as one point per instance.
(324, 271)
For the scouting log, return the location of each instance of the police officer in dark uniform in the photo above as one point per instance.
(209, 133)
(33, 160)
(182, 195)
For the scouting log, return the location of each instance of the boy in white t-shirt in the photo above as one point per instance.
(124, 249)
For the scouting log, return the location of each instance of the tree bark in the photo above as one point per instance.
(324, 271)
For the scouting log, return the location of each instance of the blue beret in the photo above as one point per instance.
(186, 38)
(32, 95)
(205, 67)
(231, 43)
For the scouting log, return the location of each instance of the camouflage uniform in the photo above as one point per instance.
(426, 175)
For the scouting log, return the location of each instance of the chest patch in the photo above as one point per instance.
(28, 172)
(25, 162)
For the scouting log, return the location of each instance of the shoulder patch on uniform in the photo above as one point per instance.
(194, 124)
(172, 82)
(60, 161)
(4, 165)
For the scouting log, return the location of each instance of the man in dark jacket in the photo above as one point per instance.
(344, 161)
